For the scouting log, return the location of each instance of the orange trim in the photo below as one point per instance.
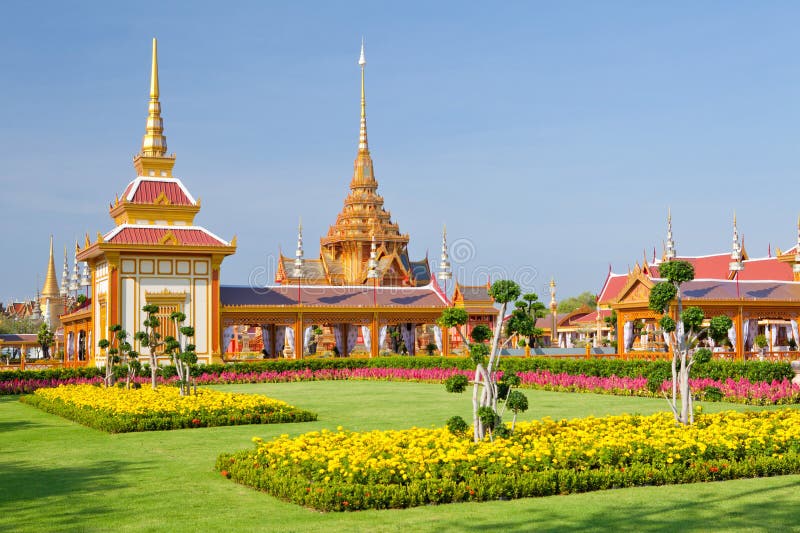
(215, 329)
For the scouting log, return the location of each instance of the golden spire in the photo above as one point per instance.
(50, 287)
(362, 137)
(153, 159)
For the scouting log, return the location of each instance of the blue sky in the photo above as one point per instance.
(550, 137)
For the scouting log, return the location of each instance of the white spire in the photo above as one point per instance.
(65, 275)
(75, 278)
(363, 145)
(362, 60)
(298, 255)
(736, 264)
(372, 273)
(669, 251)
(444, 264)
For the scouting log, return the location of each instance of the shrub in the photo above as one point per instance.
(702, 356)
(456, 383)
(457, 425)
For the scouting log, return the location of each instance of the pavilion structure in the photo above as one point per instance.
(154, 254)
(362, 295)
(760, 295)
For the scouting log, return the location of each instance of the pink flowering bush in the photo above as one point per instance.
(740, 390)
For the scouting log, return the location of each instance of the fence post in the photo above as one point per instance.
(588, 351)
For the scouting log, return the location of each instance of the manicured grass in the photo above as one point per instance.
(58, 475)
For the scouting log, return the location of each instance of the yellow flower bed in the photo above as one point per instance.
(417, 466)
(117, 410)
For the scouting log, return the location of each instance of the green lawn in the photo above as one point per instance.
(58, 475)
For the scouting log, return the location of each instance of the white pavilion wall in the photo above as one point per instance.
(143, 276)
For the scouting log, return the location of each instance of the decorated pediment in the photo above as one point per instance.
(637, 289)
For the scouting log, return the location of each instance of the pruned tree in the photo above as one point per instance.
(151, 339)
(524, 316)
(682, 334)
(120, 351)
(454, 317)
(181, 352)
(480, 333)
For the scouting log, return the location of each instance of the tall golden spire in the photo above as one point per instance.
(50, 287)
(153, 160)
(363, 145)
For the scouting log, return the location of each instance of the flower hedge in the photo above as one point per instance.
(119, 410)
(343, 470)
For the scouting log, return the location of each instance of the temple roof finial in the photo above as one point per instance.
(153, 160)
(736, 264)
(154, 143)
(50, 287)
(445, 272)
(669, 249)
(363, 145)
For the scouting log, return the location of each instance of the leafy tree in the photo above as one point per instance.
(573, 303)
(454, 317)
(181, 352)
(518, 403)
(683, 332)
(481, 333)
(19, 325)
(120, 351)
(524, 316)
(151, 339)
(46, 338)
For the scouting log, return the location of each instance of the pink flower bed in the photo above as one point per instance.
(739, 390)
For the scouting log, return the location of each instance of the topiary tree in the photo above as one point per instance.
(150, 338)
(683, 333)
(484, 392)
(119, 351)
(454, 317)
(524, 316)
(181, 352)
(518, 403)
(480, 333)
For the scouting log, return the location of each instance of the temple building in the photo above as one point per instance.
(362, 295)
(761, 296)
(154, 254)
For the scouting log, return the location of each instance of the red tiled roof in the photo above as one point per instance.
(768, 268)
(188, 236)
(147, 190)
(709, 266)
(334, 296)
(592, 317)
(614, 283)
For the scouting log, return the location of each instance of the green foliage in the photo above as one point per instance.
(573, 303)
(667, 324)
(456, 383)
(718, 328)
(431, 348)
(661, 295)
(46, 338)
(453, 317)
(511, 379)
(488, 417)
(677, 271)
(712, 394)
(481, 333)
(692, 318)
(761, 341)
(504, 291)
(478, 352)
(702, 356)
(18, 325)
(517, 402)
(457, 426)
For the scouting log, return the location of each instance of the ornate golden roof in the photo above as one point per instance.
(363, 214)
